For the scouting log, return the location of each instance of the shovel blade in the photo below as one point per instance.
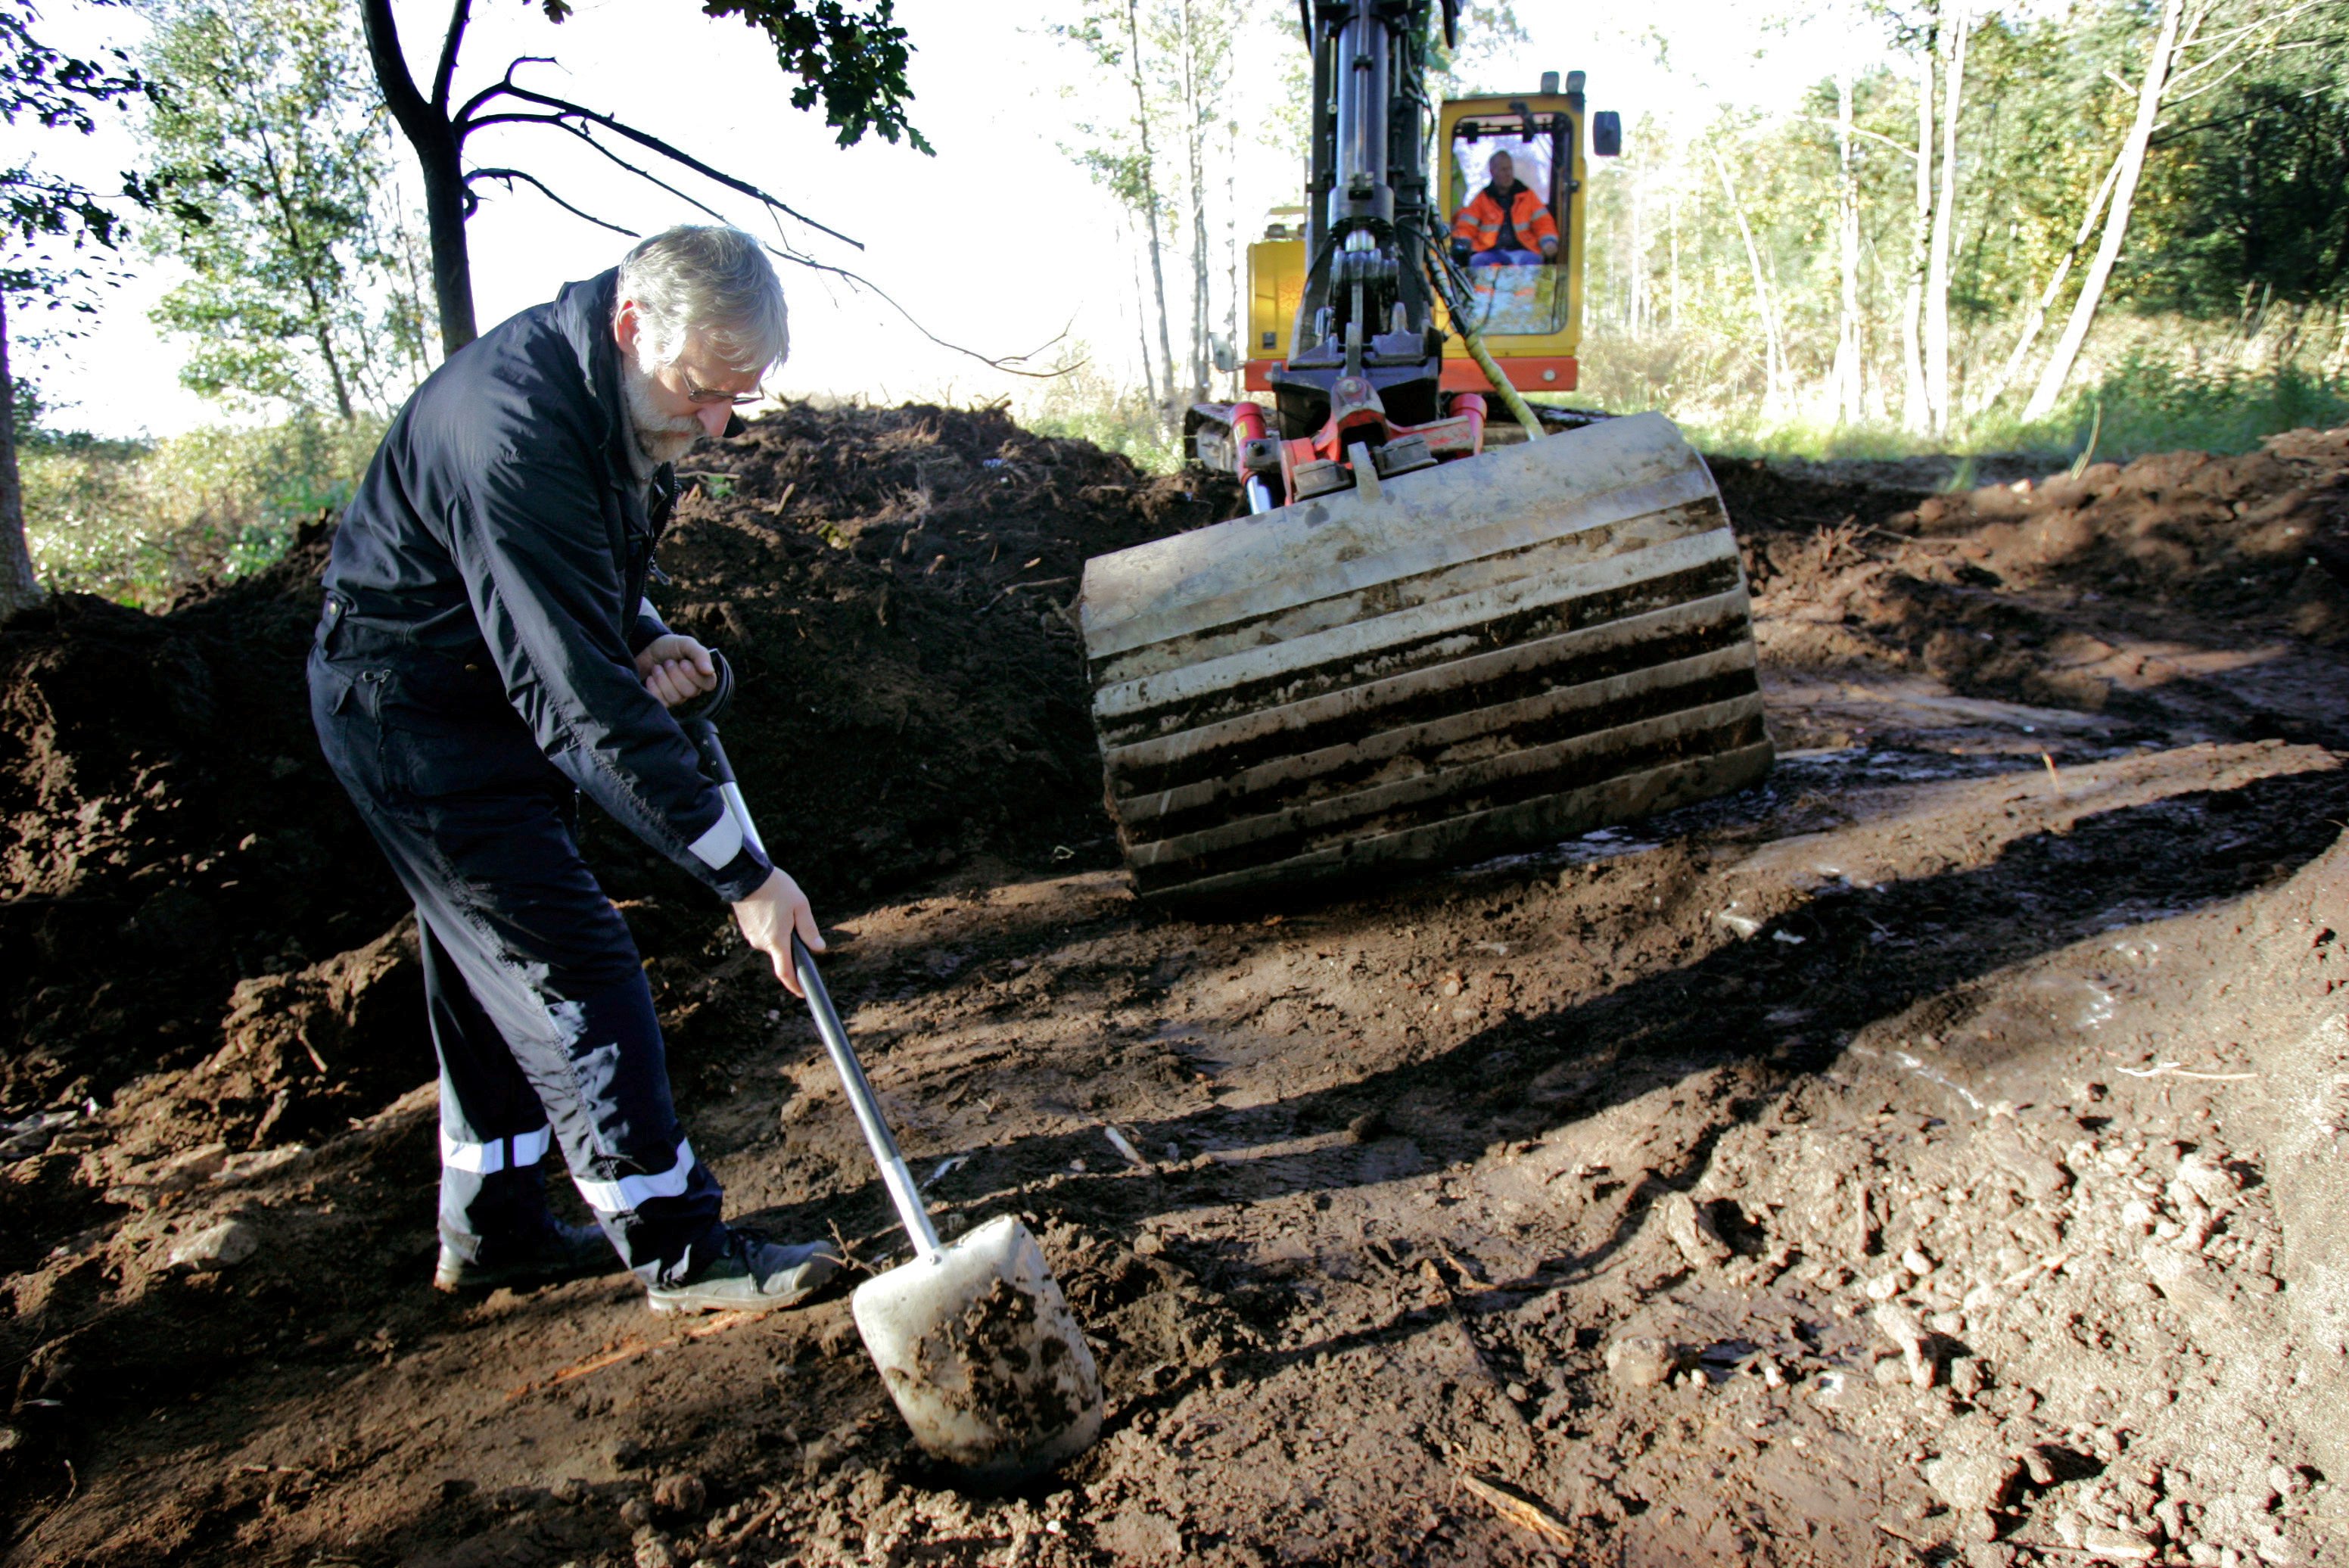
(980, 1350)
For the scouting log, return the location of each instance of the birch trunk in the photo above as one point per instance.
(2047, 296)
(1150, 204)
(1773, 356)
(1945, 216)
(1194, 148)
(1846, 375)
(2127, 167)
(1916, 415)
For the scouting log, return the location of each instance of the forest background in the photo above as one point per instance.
(1835, 230)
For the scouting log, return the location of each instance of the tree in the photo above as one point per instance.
(1121, 156)
(48, 227)
(1951, 50)
(849, 54)
(1916, 401)
(1846, 375)
(298, 292)
(2127, 167)
(1766, 309)
(1203, 57)
(2253, 191)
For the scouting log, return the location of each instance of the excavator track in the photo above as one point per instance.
(1489, 654)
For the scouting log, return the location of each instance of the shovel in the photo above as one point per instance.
(973, 1338)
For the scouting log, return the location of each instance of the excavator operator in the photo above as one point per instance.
(486, 657)
(1506, 222)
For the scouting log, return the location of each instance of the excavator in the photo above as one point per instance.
(1437, 637)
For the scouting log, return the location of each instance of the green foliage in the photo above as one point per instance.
(140, 521)
(48, 224)
(2237, 251)
(2249, 191)
(852, 57)
(2148, 402)
(304, 287)
(1086, 405)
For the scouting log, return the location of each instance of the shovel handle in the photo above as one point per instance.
(893, 1174)
(700, 725)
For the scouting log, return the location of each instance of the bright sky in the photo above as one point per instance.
(999, 243)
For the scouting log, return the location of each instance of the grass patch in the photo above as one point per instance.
(1086, 405)
(2145, 403)
(140, 521)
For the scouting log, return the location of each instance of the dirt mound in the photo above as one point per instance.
(2181, 577)
(887, 581)
(891, 586)
(2225, 536)
(172, 828)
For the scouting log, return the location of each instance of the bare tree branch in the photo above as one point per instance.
(460, 13)
(508, 176)
(507, 89)
(471, 105)
(1009, 364)
(644, 174)
(564, 115)
(1861, 130)
(399, 93)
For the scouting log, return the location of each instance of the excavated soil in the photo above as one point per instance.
(1933, 1155)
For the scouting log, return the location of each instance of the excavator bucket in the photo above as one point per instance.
(1487, 654)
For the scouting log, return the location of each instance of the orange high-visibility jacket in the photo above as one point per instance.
(1479, 222)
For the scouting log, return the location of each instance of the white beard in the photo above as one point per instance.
(662, 437)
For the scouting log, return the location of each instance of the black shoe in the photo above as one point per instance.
(747, 1274)
(563, 1253)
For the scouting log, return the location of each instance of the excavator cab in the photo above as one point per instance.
(1416, 649)
(1524, 309)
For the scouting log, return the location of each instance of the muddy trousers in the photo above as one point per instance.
(538, 1005)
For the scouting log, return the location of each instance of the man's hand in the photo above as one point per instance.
(676, 669)
(769, 916)
(1550, 250)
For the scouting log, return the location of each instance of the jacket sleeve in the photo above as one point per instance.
(647, 628)
(1542, 225)
(531, 537)
(1467, 225)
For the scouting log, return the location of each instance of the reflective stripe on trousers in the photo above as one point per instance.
(504, 1154)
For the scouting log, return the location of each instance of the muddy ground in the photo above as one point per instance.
(1933, 1155)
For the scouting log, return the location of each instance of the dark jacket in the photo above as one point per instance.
(495, 559)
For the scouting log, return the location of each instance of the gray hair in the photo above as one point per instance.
(709, 284)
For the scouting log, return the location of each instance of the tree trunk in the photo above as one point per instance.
(1847, 359)
(1773, 354)
(429, 132)
(1945, 217)
(2038, 317)
(1149, 203)
(1142, 330)
(1195, 132)
(1916, 414)
(20, 586)
(2130, 164)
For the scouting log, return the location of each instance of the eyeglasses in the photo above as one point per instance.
(702, 396)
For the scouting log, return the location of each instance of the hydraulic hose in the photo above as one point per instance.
(1464, 323)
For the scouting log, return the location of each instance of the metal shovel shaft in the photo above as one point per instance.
(893, 1174)
(884, 1144)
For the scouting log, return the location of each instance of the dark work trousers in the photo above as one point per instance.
(539, 1009)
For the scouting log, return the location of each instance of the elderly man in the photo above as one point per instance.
(486, 656)
(1505, 224)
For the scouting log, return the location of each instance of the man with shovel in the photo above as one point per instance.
(486, 656)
